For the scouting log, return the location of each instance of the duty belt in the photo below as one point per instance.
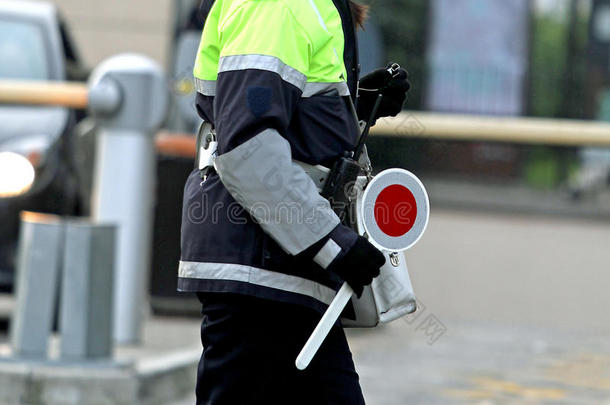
(206, 154)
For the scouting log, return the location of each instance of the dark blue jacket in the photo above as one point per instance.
(264, 121)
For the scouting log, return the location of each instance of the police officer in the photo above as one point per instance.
(264, 252)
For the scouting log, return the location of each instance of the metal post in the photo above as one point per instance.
(86, 298)
(124, 175)
(38, 264)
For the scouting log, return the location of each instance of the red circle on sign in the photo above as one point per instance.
(395, 210)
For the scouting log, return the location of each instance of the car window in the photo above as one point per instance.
(22, 51)
(68, 44)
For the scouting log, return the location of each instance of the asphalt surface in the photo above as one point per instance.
(515, 269)
(481, 363)
(515, 310)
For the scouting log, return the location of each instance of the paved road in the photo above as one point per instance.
(481, 363)
(516, 311)
(512, 269)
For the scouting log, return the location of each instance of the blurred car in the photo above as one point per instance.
(186, 34)
(36, 168)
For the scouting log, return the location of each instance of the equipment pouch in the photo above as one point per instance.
(391, 294)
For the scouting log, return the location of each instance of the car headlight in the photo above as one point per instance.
(16, 174)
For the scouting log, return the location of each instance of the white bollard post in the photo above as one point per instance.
(125, 175)
(86, 291)
(39, 260)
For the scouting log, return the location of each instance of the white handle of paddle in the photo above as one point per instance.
(324, 326)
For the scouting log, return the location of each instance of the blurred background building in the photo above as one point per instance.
(104, 28)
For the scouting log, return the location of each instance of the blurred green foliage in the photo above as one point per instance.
(557, 82)
(547, 66)
(541, 168)
(557, 88)
(604, 114)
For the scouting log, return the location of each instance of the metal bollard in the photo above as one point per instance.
(39, 259)
(124, 174)
(86, 298)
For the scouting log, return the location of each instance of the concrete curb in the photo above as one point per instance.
(155, 381)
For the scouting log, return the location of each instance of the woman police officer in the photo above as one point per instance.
(264, 252)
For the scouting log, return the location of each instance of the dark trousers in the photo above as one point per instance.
(250, 346)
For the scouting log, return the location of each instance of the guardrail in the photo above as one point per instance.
(76, 95)
(495, 129)
(407, 124)
(468, 128)
(67, 94)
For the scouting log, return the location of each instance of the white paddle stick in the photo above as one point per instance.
(324, 326)
(397, 187)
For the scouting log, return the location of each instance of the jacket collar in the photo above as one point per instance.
(350, 53)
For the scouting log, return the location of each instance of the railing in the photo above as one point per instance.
(495, 129)
(72, 95)
(407, 124)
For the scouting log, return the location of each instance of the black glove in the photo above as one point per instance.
(392, 83)
(360, 265)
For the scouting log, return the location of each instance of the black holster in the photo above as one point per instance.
(339, 187)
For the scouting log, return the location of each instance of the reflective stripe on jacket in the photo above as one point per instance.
(273, 79)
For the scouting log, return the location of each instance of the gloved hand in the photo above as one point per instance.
(394, 87)
(360, 265)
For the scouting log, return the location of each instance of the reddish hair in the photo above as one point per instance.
(359, 13)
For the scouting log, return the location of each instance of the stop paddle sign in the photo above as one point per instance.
(395, 210)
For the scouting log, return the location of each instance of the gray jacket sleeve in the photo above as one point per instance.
(279, 195)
